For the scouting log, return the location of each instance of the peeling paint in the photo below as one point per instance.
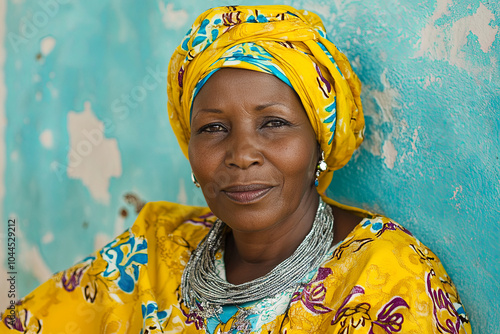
(47, 139)
(389, 153)
(48, 238)
(446, 41)
(92, 158)
(173, 19)
(47, 44)
(101, 240)
(456, 191)
(431, 79)
(414, 139)
(119, 225)
(29, 258)
(53, 91)
(387, 100)
(479, 25)
(413, 143)
(32, 261)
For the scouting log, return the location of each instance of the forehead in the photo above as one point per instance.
(234, 85)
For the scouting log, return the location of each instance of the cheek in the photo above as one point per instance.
(205, 164)
(297, 160)
(201, 157)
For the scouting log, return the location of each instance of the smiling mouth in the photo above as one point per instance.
(247, 194)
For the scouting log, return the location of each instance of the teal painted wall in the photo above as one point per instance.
(85, 139)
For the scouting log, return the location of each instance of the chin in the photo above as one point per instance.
(254, 217)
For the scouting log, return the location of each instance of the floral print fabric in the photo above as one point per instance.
(380, 279)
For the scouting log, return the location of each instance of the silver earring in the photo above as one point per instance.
(193, 178)
(320, 168)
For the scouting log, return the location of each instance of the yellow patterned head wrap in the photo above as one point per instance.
(283, 41)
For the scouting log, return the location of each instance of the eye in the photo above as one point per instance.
(275, 123)
(212, 127)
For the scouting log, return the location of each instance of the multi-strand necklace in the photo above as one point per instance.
(205, 292)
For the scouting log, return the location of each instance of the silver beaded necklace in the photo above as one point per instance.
(205, 292)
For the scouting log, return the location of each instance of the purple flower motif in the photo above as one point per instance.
(391, 226)
(342, 310)
(313, 295)
(321, 79)
(14, 323)
(442, 304)
(180, 77)
(389, 321)
(203, 220)
(359, 315)
(73, 280)
(193, 318)
(20, 321)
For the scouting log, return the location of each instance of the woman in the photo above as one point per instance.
(265, 108)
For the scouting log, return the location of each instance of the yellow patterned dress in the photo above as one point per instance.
(379, 279)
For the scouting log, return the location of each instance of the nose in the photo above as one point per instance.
(243, 151)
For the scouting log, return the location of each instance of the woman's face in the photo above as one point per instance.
(253, 150)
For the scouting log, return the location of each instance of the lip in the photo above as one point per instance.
(246, 193)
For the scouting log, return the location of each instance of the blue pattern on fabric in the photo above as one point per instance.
(325, 50)
(332, 118)
(126, 258)
(203, 27)
(375, 225)
(150, 312)
(185, 41)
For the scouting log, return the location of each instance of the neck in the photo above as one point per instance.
(249, 255)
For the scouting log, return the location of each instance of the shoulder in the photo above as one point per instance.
(381, 251)
(145, 261)
(167, 217)
(378, 236)
(172, 215)
(170, 233)
(389, 275)
(167, 232)
(163, 234)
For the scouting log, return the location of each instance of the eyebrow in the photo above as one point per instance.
(211, 110)
(258, 108)
(270, 104)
